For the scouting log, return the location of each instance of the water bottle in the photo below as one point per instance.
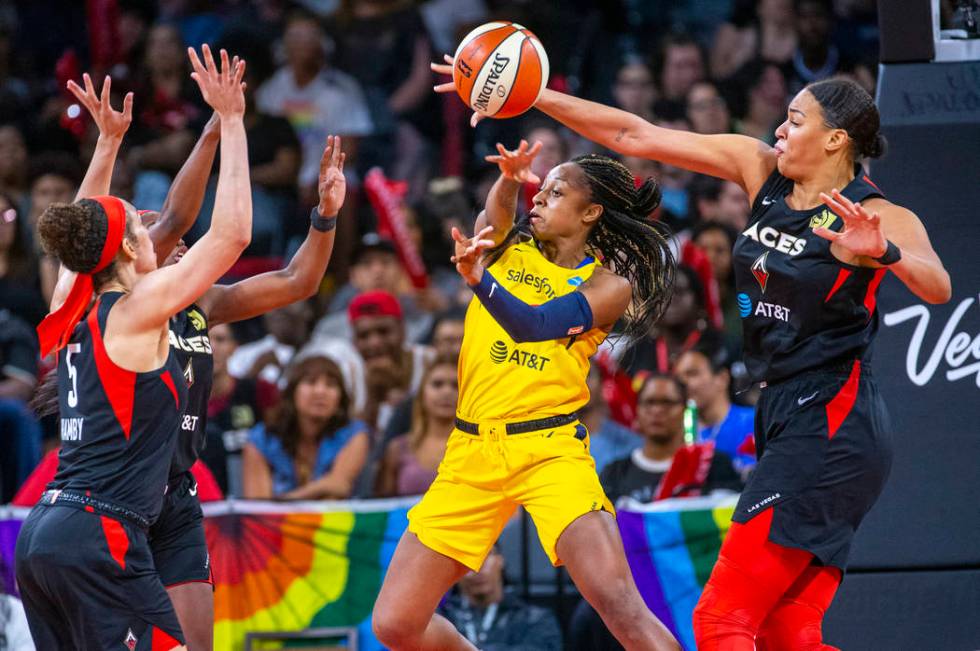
(690, 422)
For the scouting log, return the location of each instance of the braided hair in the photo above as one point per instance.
(624, 238)
(628, 241)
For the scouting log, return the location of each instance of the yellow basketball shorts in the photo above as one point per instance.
(484, 477)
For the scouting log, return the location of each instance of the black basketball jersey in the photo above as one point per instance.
(192, 348)
(118, 427)
(801, 308)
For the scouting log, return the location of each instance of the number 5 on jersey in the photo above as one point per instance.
(73, 349)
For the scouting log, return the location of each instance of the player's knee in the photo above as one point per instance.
(394, 630)
(715, 621)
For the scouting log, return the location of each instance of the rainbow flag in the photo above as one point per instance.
(671, 547)
(277, 568)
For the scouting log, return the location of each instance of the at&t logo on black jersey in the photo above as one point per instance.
(499, 354)
(747, 309)
(774, 239)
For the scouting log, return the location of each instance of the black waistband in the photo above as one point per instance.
(522, 427)
(834, 369)
(83, 501)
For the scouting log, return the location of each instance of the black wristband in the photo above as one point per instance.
(892, 254)
(320, 223)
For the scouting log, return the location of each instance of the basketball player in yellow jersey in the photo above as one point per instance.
(543, 304)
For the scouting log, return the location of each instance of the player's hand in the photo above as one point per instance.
(862, 234)
(469, 254)
(222, 89)
(111, 123)
(516, 164)
(450, 87)
(332, 185)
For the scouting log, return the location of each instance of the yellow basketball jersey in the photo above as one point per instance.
(502, 380)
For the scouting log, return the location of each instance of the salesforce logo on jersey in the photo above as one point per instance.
(958, 345)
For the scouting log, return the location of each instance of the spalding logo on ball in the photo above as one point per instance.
(500, 69)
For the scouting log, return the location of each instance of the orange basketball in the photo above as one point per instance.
(500, 69)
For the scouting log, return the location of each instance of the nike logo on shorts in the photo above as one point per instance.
(492, 287)
(803, 401)
(192, 490)
(766, 201)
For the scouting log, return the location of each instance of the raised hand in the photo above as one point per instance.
(862, 233)
(516, 164)
(450, 87)
(332, 185)
(469, 254)
(111, 123)
(222, 89)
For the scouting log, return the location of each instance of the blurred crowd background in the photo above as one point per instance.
(371, 358)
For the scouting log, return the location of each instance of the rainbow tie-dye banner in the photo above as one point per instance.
(288, 567)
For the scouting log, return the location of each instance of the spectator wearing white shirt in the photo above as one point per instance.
(316, 99)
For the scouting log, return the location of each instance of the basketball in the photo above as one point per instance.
(500, 69)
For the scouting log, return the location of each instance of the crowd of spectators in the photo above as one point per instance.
(352, 393)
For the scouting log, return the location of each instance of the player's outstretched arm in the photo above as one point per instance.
(160, 294)
(501, 207)
(112, 126)
(741, 159)
(186, 193)
(301, 277)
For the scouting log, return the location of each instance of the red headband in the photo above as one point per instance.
(56, 328)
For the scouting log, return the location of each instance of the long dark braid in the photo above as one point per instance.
(628, 241)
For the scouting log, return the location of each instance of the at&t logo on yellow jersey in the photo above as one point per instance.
(499, 353)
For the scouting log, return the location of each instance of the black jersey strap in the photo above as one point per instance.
(862, 187)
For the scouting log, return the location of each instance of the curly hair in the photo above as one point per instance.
(75, 234)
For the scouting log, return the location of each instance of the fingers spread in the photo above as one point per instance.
(106, 86)
(195, 61)
(209, 59)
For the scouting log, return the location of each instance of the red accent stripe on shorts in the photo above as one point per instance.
(169, 381)
(841, 404)
(871, 298)
(118, 383)
(842, 275)
(162, 641)
(117, 539)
